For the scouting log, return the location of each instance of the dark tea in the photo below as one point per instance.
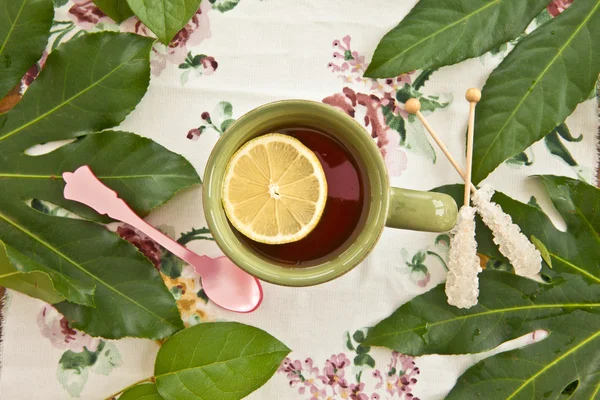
(343, 210)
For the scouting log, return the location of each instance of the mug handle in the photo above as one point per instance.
(421, 211)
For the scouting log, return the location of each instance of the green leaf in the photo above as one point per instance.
(202, 295)
(130, 298)
(34, 284)
(428, 325)
(89, 84)
(534, 203)
(224, 5)
(537, 86)
(223, 110)
(362, 349)
(407, 92)
(565, 133)
(108, 359)
(222, 360)
(520, 159)
(97, 77)
(395, 122)
(444, 239)
(197, 58)
(60, 3)
(146, 391)
(164, 17)
(423, 77)
(556, 147)
(349, 344)
(442, 32)
(117, 10)
(510, 306)
(364, 359)
(543, 370)
(542, 249)
(226, 124)
(429, 104)
(359, 336)
(171, 266)
(194, 234)
(419, 257)
(24, 31)
(72, 372)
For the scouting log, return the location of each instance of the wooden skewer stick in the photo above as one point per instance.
(473, 95)
(413, 106)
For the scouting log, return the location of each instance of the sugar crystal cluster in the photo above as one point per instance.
(462, 284)
(512, 243)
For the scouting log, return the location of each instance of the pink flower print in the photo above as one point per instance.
(318, 394)
(399, 380)
(423, 280)
(293, 371)
(389, 100)
(377, 375)
(347, 58)
(34, 71)
(395, 160)
(339, 56)
(147, 246)
(392, 85)
(334, 371)
(343, 101)
(407, 363)
(194, 134)
(404, 385)
(346, 43)
(356, 392)
(311, 374)
(55, 327)
(375, 119)
(391, 385)
(209, 64)
(379, 87)
(306, 376)
(86, 14)
(558, 6)
(136, 26)
(309, 366)
(357, 63)
(338, 68)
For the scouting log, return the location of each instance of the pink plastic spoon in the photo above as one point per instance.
(223, 282)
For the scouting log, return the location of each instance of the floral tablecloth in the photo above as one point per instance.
(235, 55)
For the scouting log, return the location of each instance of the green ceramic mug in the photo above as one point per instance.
(392, 207)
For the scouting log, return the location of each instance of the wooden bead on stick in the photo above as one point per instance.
(412, 106)
(473, 95)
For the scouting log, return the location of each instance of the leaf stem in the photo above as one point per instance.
(436, 255)
(114, 396)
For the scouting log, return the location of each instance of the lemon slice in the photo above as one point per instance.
(275, 189)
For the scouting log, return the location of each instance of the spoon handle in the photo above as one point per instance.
(84, 187)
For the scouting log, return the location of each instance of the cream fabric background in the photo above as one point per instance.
(271, 50)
